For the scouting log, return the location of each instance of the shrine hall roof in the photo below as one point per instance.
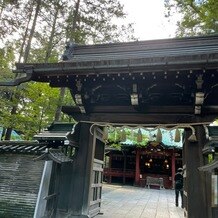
(155, 81)
(152, 55)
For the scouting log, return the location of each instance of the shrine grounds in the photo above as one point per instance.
(136, 202)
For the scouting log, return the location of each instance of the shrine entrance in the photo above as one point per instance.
(143, 158)
(170, 83)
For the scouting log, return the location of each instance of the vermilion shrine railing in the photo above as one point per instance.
(119, 172)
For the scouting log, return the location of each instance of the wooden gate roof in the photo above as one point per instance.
(169, 80)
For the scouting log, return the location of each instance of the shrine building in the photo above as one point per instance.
(161, 84)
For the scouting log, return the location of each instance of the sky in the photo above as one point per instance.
(149, 20)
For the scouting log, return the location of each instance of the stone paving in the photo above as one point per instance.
(134, 202)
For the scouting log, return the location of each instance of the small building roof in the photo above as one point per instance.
(209, 167)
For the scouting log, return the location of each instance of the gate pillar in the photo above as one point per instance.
(195, 201)
(87, 174)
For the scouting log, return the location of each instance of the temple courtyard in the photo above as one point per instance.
(135, 202)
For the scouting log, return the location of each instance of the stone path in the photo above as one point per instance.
(134, 202)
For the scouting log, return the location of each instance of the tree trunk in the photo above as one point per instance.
(27, 50)
(26, 54)
(62, 90)
(48, 54)
(3, 134)
(1, 11)
(25, 36)
(51, 38)
(75, 16)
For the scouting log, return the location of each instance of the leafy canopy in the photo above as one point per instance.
(198, 17)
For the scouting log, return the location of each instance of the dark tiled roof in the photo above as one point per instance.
(209, 167)
(25, 147)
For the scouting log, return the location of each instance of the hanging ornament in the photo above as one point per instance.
(177, 135)
(193, 138)
(139, 136)
(159, 135)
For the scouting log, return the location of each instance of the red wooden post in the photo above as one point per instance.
(173, 167)
(137, 169)
(110, 161)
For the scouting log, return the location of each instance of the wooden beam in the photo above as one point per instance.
(142, 109)
(136, 118)
(71, 110)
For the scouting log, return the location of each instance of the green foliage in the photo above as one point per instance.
(215, 122)
(38, 108)
(6, 62)
(38, 55)
(7, 58)
(39, 34)
(210, 158)
(95, 22)
(198, 17)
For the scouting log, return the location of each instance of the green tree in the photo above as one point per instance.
(17, 23)
(37, 31)
(6, 62)
(38, 107)
(198, 17)
(91, 21)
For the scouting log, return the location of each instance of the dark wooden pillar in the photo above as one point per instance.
(81, 173)
(137, 167)
(194, 191)
(173, 167)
